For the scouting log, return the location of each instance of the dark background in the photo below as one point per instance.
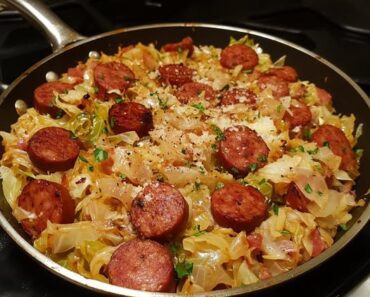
(338, 30)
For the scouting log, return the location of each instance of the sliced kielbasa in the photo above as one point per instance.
(278, 86)
(325, 98)
(53, 149)
(159, 211)
(295, 198)
(175, 74)
(185, 44)
(44, 95)
(238, 54)
(299, 115)
(113, 75)
(238, 207)
(130, 116)
(285, 72)
(191, 92)
(336, 140)
(238, 95)
(142, 265)
(318, 244)
(242, 151)
(46, 201)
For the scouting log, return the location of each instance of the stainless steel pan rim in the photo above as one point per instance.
(110, 289)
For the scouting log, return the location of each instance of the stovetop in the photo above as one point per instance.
(338, 30)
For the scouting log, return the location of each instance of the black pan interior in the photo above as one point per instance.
(347, 100)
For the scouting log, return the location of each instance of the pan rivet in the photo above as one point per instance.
(51, 76)
(20, 107)
(94, 55)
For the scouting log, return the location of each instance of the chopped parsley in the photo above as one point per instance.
(285, 232)
(197, 186)
(308, 188)
(225, 88)
(253, 167)
(100, 155)
(307, 134)
(59, 114)
(90, 168)
(199, 106)
(122, 176)
(344, 227)
(219, 185)
(248, 71)
(83, 159)
(119, 100)
(300, 148)
(313, 152)
(183, 269)
(275, 209)
(174, 247)
(262, 158)
(162, 103)
(359, 153)
(198, 231)
(327, 144)
(262, 181)
(214, 147)
(96, 90)
(219, 135)
(72, 135)
(112, 122)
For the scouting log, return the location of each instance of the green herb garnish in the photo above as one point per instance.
(219, 185)
(284, 232)
(253, 167)
(199, 106)
(308, 188)
(219, 135)
(83, 159)
(275, 209)
(59, 114)
(262, 158)
(198, 231)
(313, 152)
(100, 155)
(344, 227)
(326, 143)
(183, 269)
(119, 100)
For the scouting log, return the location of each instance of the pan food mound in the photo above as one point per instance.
(187, 168)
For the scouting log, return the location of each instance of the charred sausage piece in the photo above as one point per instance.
(113, 75)
(159, 212)
(130, 116)
(191, 92)
(278, 86)
(286, 73)
(325, 98)
(77, 73)
(46, 201)
(175, 74)
(142, 265)
(52, 149)
(238, 54)
(242, 151)
(295, 198)
(239, 95)
(44, 95)
(318, 244)
(185, 44)
(336, 140)
(238, 207)
(299, 115)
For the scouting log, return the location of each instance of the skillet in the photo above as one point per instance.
(70, 47)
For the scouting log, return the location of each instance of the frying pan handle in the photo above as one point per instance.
(58, 33)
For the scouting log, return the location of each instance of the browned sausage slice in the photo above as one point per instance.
(191, 91)
(113, 75)
(238, 54)
(176, 74)
(238, 207)
(295, 198)
(43, 97)
(159, 211)
(299, 115)
(130, 116)
(185, 44)
(285, 72)
(278, 86)
(242, 151)
(52, 149)
(325, 98)
(142, 265)
(48, 201)
(239, 95)
(336, 140)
